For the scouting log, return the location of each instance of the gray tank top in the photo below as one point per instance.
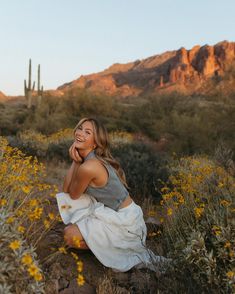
(113, 193)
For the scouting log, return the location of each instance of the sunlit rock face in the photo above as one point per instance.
(180, 70)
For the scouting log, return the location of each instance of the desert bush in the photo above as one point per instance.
(143, 167)
(199, 226)
(118, 138)
(19, 267)
(36, 144)
(20, 214)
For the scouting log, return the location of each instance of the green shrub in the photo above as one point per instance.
(143, 166)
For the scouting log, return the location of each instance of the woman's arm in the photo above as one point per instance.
(69, 176)
(77, 160)
(81, 177)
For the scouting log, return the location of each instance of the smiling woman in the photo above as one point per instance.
(96, 205)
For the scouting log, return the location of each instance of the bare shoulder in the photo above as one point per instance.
(91, 166)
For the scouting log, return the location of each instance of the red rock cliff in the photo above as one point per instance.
(184, 70)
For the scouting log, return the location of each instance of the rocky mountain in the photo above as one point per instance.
(182, 70)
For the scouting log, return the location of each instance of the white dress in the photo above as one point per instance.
(117, 238)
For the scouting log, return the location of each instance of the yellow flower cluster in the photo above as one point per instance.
(32, 269)
(80, 277)
(23, 179)
(35, 214)
(190, 183)
(198, 197)
(79, 266)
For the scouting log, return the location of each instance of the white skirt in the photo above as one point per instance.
(117, 238)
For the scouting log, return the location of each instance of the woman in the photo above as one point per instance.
(96, 204)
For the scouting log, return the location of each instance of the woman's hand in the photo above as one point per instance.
(74, 154)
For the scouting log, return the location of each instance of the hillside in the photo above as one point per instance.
(2, 97)
(186, 71)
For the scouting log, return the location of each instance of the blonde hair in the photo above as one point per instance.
(102, 150)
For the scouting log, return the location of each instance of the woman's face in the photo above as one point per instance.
(84, 136)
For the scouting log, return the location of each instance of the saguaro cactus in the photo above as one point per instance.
(40, 89)
(28, 90)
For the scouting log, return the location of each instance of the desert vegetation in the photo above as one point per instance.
(189, 124)
(185, 186)
(192, 197)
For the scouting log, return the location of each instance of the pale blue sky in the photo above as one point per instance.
(73, 37)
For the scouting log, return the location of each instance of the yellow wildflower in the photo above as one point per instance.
(230, 274)
(74, 256)
(151, 213)
(79, 266)
(46, 223)
(21, 229)
(3, 202)
(220, 185)
(227, 245)
(161, 220)
(169, 211)
(216, 230)
(181, 200)
(20, 212)
(15, 245)
(37, 277)
(10, 220)
(76, 241)
(33, 270)
(164, 189)
(62, 250)
(225, 202)
(231, 254)
(51, 216)
(198, 211)
(27, 259)
(26, 189)
(80, 280)
(33, 202)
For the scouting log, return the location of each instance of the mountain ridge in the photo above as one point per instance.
(178, 70)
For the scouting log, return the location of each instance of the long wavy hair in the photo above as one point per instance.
(102, 150)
